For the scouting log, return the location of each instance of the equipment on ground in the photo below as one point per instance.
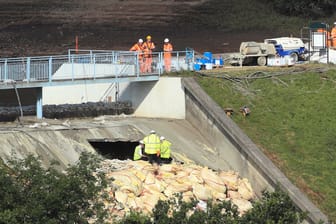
(245, 111)
(290, 46)
(252, 52)
(228, 111)
(207, 61)
(270, 51)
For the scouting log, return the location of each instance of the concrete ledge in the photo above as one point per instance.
(197, 99)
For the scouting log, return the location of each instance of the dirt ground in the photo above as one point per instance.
(46, 27)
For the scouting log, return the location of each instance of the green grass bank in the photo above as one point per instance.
(292, 120)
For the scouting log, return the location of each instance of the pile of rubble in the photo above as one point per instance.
(138, 185)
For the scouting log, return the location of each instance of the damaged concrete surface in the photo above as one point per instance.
(64, 140)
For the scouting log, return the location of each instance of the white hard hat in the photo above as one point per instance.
(141, 142)
(140, 40)
(334, 23)
(162, 138)
(152, 132)
(166, 40)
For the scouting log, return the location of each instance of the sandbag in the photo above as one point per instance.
(230, 179)
(213, 180)
(245, 189)
(242, 204)
(201, 192)
(233, 194)
(121, 197)
(127, 181)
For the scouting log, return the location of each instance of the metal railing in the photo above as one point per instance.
(88, 64)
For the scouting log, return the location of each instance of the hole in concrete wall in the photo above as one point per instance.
(114, 149)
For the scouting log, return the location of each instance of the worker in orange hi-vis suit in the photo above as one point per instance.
(333, 36)
(148, 48)
(167, 54)
(138, 47)
(327, 36)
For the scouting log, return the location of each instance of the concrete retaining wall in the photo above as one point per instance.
(162, 99)
(242, 154)
(76, 94)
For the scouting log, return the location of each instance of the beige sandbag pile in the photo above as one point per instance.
(138, 185)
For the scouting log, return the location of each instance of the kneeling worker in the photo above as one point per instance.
(139, 152)
(165, 150)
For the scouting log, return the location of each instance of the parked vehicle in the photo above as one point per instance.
(291, 46)
(256, 53)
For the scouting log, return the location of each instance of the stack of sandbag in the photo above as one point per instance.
(138, 185)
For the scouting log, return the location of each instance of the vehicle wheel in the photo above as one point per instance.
(295, 57)
(261, 61)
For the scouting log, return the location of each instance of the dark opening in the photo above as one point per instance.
(114, 149)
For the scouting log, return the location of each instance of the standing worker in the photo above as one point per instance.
(327, 36)
(152, 147)
(148, 48)
(333, 36)
(167, 49)
(139, 152)
(165, 150)
(138, 47)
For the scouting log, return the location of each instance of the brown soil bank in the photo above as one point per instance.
(45, 27)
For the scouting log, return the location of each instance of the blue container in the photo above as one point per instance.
(208, 56)
(201, 60)
(218, 61)
(197, 67)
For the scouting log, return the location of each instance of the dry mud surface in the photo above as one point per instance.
(46, 27)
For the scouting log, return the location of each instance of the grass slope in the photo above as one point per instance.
(293, 121)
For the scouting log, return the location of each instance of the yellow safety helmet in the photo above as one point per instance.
(148, 37)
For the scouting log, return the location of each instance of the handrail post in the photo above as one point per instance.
(137, 65)
(69, 55)
(39, 104)
(6, 70)
(72, 68)
(28, 69)
(178, 62)
(193, 60)
(50, 68)
(94, 66)
(90, 56)
(161, 63)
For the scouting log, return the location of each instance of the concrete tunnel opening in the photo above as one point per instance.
(114, 149)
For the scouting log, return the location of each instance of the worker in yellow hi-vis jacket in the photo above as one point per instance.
(152, 147)
(165, 150)
(139, 153)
